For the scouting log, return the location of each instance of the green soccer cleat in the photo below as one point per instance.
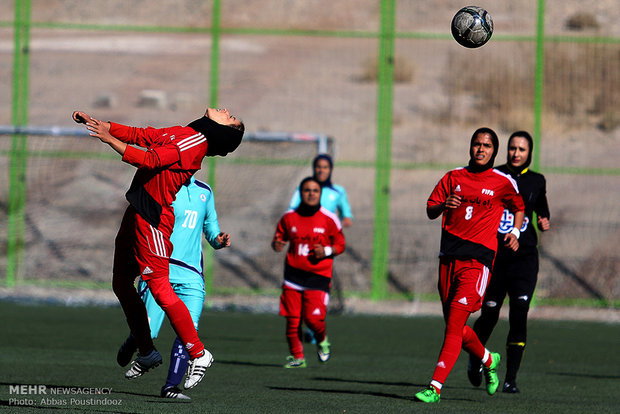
(427, 395)
(490, 374)
(294, 362)
(324, 350)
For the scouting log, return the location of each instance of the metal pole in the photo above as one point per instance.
(381, 240)
(213, 102)
(538, 96)
(539, 82)
(18, 154)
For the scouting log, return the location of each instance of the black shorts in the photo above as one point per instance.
(513, 275)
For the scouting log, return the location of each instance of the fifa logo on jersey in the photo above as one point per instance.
(487, 192)
(319, 230)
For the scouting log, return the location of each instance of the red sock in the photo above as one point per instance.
(182, 323)
(179, 316)
(472, 344)
(295, 346)
(451, 348)
(318, 327)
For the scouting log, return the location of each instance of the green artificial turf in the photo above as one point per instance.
(378, 363)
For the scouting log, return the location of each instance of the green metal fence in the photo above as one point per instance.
(389, 171)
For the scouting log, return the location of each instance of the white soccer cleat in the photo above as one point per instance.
(197, 369)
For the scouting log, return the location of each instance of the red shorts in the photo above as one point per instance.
(141, 249)
(298, 303)
(462, 283)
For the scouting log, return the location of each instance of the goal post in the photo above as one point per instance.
(68, 186)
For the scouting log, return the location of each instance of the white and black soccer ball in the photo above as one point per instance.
(472, 26)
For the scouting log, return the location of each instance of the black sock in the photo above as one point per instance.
(514, 353)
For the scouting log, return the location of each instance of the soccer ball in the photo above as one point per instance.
(472, 26)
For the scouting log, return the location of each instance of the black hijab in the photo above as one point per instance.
(221, 139)
(304, 209)
(530, 141)
(479, 168)
(328, 181)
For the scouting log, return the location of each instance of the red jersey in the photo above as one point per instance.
(469, 231)
(172, 156)
(302, 270)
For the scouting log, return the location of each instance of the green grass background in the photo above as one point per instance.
(378, 363)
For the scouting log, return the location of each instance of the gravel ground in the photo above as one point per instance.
(268, 304)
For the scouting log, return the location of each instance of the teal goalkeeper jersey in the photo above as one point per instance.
(333, 198)
(195, 215)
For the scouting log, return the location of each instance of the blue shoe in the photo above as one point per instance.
(143, 363)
